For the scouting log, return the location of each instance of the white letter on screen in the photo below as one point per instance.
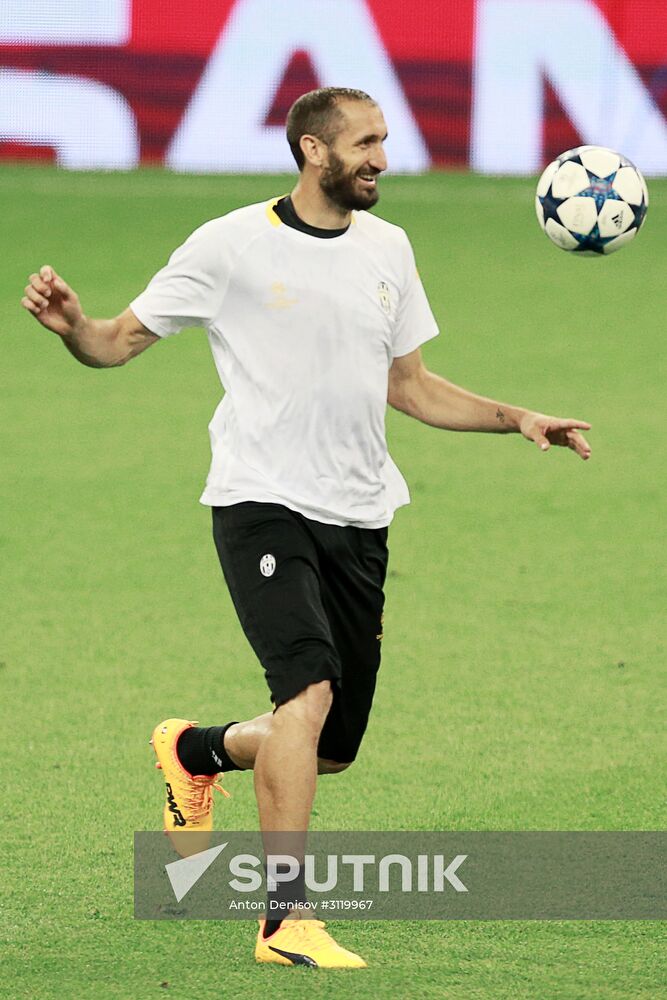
(223, 127)
(67, 22)
(90, 125)
(521, 42)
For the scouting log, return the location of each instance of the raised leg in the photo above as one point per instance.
(243, 740)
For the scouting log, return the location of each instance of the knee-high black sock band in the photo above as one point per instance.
(202, 750)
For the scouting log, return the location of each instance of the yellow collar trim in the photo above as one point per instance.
(276, 221)
(271, 215)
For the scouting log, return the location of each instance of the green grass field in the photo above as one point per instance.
(523, 655)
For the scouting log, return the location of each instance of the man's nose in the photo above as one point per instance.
(378, 159)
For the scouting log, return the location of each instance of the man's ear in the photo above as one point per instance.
(313, 149)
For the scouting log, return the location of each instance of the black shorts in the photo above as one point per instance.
(309, 598)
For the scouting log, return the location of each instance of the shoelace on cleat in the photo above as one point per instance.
(198, 798)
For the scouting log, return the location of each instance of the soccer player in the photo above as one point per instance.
(315, 315)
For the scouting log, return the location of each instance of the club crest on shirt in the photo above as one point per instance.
(279, 298)
(267, 564)
(383, 296)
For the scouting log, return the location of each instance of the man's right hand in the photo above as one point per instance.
(53, 302)
(98, 343)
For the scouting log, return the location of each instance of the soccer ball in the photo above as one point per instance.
(591, 200)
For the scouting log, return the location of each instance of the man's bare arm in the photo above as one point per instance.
(428, 397)
(98, 343)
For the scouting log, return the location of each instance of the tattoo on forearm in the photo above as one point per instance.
(500, 415)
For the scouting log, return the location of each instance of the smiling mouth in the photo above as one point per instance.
(369, 179)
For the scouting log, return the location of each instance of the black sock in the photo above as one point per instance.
(270, 926)
(202, 750)
(286, 897)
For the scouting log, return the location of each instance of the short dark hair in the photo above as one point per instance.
(317, 113)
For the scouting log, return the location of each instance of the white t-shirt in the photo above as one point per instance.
(303, 331)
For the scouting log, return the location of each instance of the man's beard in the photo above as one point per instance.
(340, 187)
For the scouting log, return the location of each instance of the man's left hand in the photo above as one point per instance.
(545, 431)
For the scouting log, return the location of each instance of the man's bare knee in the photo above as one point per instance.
(309, 707)
(325, 766)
